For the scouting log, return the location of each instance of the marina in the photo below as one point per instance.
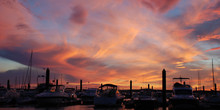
(109, 54)
(107, 96)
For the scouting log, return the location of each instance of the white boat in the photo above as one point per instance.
(182, 97)
(54, 96)
(108, 95)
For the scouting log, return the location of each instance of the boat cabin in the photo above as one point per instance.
(108, 90)
(182, 89)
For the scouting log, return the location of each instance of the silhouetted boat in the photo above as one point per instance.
(54, 96)
(10, 97)
(26, 96)
(108, 95)
(183, 96)
(212, 100)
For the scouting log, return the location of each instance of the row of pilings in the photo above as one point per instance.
(47, 82)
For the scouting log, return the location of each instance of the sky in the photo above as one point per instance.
(111, 41)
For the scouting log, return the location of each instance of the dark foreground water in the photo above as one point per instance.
(73, 107)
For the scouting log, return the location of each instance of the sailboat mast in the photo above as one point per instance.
(30, 66)
(29, 70)
(213, 75)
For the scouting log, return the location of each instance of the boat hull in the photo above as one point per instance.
(52, 100)
(184, 103)
(107, 101)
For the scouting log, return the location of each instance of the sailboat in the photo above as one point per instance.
(27, 94)
(9, 95)
(212, 100)
(27, 78)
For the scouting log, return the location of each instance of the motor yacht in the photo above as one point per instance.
(183, 96)
(108, 95)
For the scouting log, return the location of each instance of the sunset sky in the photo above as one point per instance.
(111, 41)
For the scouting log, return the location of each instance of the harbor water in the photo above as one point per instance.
(72, 107)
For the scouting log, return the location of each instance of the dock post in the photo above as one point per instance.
(29, 86)
(47, 78)
(152, 87)
(203, 88)
(148, 86)
(80, 85)
(8, 85)
(56, 84)
(164, 88)
(215, 89)
(130, 88)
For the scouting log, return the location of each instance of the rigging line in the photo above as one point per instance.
(30, 62)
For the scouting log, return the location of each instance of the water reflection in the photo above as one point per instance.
(74, 107)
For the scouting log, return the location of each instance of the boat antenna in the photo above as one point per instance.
(213, 77)
(180, 78)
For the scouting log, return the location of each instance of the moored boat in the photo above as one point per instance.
(182, 97)
(108, 95)
(54, 96)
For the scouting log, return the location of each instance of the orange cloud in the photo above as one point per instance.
(212, 49)
(208, 37)
(200, 12)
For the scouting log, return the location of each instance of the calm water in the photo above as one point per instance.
(73, 107)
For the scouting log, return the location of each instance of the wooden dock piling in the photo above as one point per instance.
(164, 88)
(8, 85)
(130, 88)
(80, 85)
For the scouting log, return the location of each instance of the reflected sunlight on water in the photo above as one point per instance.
(73, 107)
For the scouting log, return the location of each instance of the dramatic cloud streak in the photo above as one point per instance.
(158, 5)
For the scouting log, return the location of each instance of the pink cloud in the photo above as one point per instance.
(160, 6)
(198, 12)
(79, 15)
